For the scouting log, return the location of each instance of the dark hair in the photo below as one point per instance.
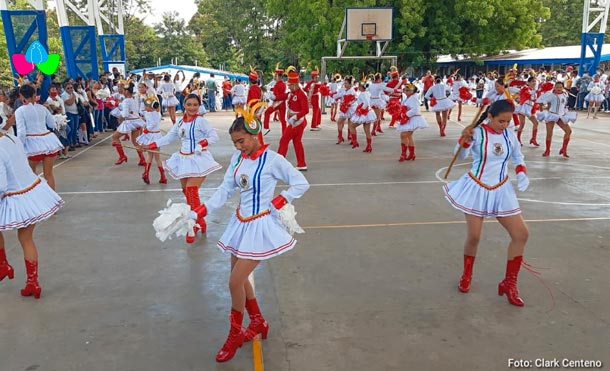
(130, 87)
(239, 124)
(193, 96)
(364, 85)
(531, 79)
(438, 80)
(559, 82)
(166, 78)
(27, 91)
(500, 106)
(155, 105)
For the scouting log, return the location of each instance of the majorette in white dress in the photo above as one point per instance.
(493, 96)
(363, 113)
(557, 108)
(438, 91)
(255, 231)
(130, 111)
(416, 121)
(596, 92)
(526, 105)
(455, 90)
(342, 96)
(25, 198)
(191, 161)
(485, 190)
(151, 132)
(239, 94)
(167, 90)
(377, 90)
(33, 129)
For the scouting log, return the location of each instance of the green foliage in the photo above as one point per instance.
(563, 26)
(173, 41)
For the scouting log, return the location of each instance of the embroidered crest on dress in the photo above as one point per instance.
(243, 181)
(295, 98)
(498, 150)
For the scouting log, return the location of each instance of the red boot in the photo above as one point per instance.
(145, 177)
(441, 128)
(374, 129)
(142, 159)
(411, 155)
(379, 127)
(403, 154)
(369, 145)
(119, 149)
(257, 325)
(340, 137)
(355, 140)
(31, 285)
(564, 149)
(192, 198)
(533, 140)
(163, 179)
(5, 267)
(235, 339)
(509, 285)
(125, 137)
(547, 151)
(464, 285)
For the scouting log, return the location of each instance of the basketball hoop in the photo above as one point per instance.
(369, 37)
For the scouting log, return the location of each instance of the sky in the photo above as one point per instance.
(185, 9)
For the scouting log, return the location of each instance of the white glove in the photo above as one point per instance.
(522, 181)
(292, 120)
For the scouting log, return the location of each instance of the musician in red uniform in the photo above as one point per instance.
(279, 96)
(298, 108)
(313, 93)
(395, 84)
(254, 96)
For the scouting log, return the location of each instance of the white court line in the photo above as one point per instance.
(311, 185)
(82, 151)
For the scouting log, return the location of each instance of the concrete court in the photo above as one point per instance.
(370, 286)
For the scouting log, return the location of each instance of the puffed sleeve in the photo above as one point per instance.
(209, 133)
(225, 190)
(171, 135)
(49, 120)
(3, 178)
(284, 171)
(20, 122)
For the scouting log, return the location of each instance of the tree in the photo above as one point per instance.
(140, 44)
(173, 41)
(563, 26)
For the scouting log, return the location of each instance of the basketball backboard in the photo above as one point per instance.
(373, 24)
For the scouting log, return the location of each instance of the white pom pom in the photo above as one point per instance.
(174, 219)
(288, 219)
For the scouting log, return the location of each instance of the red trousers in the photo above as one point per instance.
(296, 135)
(316, 117)
(281, 109)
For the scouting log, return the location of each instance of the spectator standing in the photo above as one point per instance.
(211, 87)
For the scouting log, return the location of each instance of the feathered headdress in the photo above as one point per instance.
(315, 72)
(253, 124)
(253, 75)
(290, 68)
(393, 71)
(278, 70)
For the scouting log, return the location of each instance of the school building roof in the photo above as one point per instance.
(189, 71)
(553, 55)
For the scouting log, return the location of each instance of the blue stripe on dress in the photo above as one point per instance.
(258, 181)
(192, 132)
(255, 189)
(503, 168)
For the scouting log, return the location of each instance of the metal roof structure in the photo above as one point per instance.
(189, 71)
(553, 55)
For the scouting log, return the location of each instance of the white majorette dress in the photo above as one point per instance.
(557, 108)
(494, 96)
(130, 111)
(443, 103)
(416, 121)
(239, 94)
(346, 100)
(167, 91)
(191, 161)
(363, 113)
(485, 190)
(377, 90)
(152, 133)
(455, 90)
(33, 122)
(596, 92)
(527, 100)
(255, 231)
(25, 198)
